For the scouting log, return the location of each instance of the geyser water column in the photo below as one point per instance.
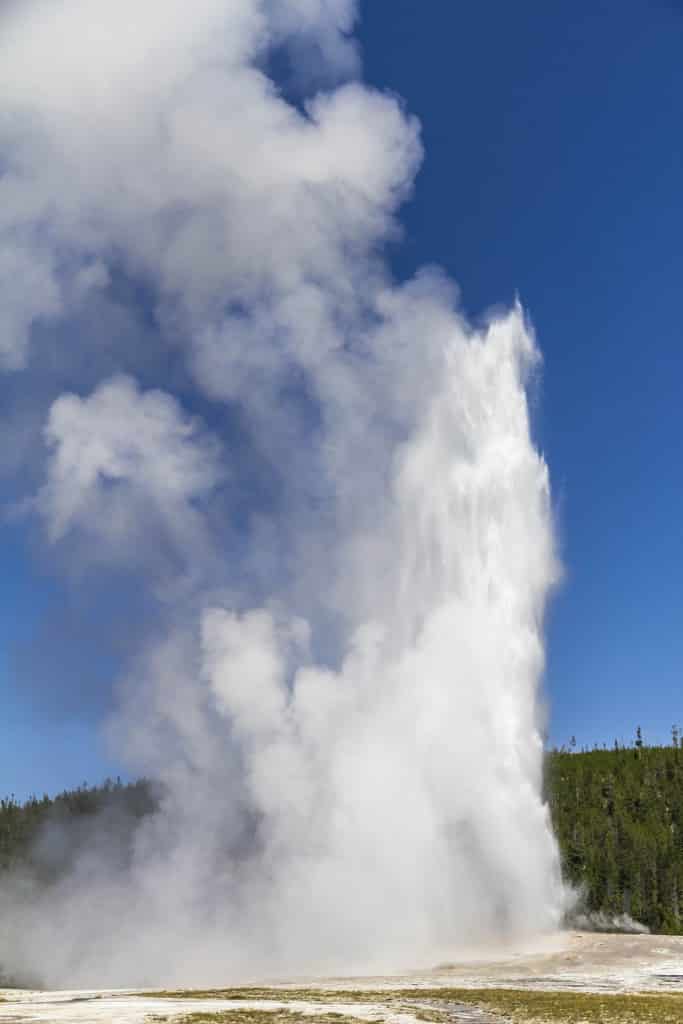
(323, 480)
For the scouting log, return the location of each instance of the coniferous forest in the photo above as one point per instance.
(618, 816)
(617, 813)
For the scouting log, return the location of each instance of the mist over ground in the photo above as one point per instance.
(318, 483)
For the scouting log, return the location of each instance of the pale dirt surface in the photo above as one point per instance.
(582, 961)
(585, 961)
(128, 1008)
(576, 961)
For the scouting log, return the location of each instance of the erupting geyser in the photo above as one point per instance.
(323, 479)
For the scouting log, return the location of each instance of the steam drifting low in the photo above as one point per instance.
(322, 480)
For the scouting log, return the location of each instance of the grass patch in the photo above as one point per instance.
(435, 1006)
(526, 1006)
(246, 1016)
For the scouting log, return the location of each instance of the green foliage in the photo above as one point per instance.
(23, 824)
(618, 816)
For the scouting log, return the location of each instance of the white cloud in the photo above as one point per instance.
(390, 503)
(137, 134)
(126, 465)
(29, 293)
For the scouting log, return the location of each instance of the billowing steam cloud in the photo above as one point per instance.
(323, 480)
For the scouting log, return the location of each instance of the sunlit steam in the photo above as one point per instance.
(323, 480)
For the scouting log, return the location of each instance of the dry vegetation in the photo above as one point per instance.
(528, 1007)
(249, 1016)
(440, 1005)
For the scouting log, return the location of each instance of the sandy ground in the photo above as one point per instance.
(129, 1008)
(577, 960)
(586, 961)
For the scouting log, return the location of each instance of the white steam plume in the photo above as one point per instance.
(326, 480)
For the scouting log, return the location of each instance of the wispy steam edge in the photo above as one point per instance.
(325, 479)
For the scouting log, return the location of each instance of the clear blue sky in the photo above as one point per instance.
(554, 166)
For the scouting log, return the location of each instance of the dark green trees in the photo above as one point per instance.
(79, 817)
(618, 815)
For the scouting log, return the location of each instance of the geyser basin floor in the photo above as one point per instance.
(550, 986)
(582, 961)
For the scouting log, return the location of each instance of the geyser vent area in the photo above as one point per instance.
(306, 493)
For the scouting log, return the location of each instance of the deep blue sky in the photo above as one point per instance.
(554, 155)
(554, 168)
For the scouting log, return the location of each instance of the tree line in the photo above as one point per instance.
(42, 836)
(617, 814)
(618, 817)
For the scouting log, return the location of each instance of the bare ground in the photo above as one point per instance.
(574, 978)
